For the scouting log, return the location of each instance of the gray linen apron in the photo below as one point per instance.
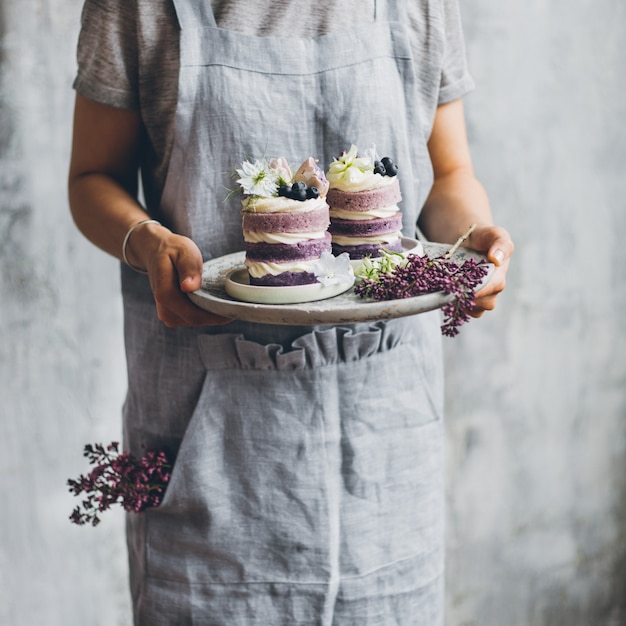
(308, 483)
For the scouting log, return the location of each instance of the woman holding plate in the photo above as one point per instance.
(308, 483)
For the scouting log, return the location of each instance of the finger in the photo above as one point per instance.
(169, 317)
(500, 251)
(483, 304)
(174, 274)
(176, 309)
(193, 317)
(495, 241)
(496, 284)
(188, 266)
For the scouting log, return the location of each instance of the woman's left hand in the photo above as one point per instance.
(497, 244)
(457, 199)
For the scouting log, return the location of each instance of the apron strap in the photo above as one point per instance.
(192, 13)
(389, 10)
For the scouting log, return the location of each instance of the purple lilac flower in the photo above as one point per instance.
(118, 478)
(421, 275)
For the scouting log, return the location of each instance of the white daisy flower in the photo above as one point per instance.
(258, 179)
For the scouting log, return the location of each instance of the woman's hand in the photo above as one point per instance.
(174, 266)
(102, 193)
(457, 200)
(496, 243)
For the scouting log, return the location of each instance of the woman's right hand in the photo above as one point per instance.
(102, 189)
(174, 266)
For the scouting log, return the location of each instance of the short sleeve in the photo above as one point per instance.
(456, 80)
(107, 53)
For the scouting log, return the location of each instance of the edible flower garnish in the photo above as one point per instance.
(280, 166)
(334, 270)
(260, 178)
(386, 263)
(312, 175)
(351, 168)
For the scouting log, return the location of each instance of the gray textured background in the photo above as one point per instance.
(536, 391)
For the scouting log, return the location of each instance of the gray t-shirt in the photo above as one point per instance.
(128, 56)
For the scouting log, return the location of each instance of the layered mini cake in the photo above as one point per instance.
(285, 221)
(363, 197)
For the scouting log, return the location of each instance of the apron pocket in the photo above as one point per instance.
(392, 462)
(251, 489)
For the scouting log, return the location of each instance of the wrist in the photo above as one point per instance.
(141, 242)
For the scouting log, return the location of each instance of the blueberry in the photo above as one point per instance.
(284, 191)
(379, 168)
(391, 169)
(298, 193)
(386, 161)
(312, 192)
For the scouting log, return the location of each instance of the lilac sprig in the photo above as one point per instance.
(420, 275)
(119, 478)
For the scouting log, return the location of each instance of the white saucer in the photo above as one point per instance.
(237, 285)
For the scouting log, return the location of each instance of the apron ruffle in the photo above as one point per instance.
(316, 349)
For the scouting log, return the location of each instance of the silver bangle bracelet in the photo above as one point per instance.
(131, 230)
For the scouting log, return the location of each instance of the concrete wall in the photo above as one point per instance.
(536, 400)
(537, 392)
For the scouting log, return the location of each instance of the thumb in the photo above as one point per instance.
(495, 242)
(189, 267)
(191, 283)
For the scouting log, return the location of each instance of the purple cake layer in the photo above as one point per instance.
(365, 200)
(286, 279)
(372, 250)
(282, 252)
(360, 228)
(286, 222)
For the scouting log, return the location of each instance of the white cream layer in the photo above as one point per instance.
(342, 240)
(257, 269)
(279, 204)
(342, 214)
(356, 180)
(250, 236)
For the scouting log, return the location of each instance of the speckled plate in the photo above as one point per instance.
(344, 308)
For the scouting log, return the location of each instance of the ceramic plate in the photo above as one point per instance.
(344, 308)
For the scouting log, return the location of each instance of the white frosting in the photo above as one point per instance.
(356, 180)
(280, 204)
(251, 236)
(342, 240)
(258, 269)
(342, 214)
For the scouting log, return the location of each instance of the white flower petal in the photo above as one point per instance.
(331, 270)
(257, 179)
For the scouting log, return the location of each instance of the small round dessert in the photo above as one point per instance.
(284, 220)
(363, 197)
